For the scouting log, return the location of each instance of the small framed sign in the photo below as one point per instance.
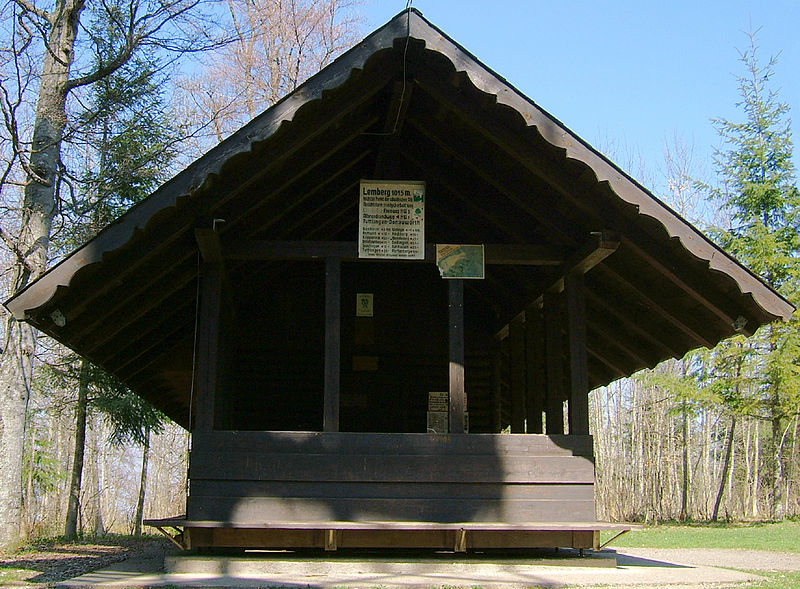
(364, 304)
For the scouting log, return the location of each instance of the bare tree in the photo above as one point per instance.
(46, 60)
(277, 45)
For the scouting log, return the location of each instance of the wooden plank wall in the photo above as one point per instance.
(255, 477)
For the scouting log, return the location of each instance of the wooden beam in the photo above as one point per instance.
(208, 242)
(578, 361)
(660, 310)
(291, 250)
(496, 254)
(613, 368)
(319, 181)
(497, 388)
(497, 182)
(208, 336)
(333, 270)
(600, 245)
(536, 380)
(133, 341)
(390, 143)
(613, 312)
(726, 319)
(516, 341)
(139, 299)
(458, 397)
(521, 255)
(456, 189)
(555, 368)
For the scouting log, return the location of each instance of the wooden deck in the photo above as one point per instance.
(331, 489)
(458, 536)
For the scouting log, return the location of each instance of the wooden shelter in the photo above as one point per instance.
(228, 299)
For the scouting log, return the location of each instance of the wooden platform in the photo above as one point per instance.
(251, 477)
(253, 489)
(457, 536)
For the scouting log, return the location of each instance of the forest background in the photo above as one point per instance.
(102, 101)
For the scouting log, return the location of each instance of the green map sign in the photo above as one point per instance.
(460, 261)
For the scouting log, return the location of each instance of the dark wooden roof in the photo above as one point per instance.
(406, 103)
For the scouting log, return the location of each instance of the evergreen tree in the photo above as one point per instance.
(125, 141)
(759, 191)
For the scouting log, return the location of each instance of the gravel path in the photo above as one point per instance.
(740, 559)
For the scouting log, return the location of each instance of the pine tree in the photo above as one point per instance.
(759, 191)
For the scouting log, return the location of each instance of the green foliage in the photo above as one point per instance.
(124, 135)
(129, 416)
(126, 140)
(45, 470)
(757, 176)
(758, 189)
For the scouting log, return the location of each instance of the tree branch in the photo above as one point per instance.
(13, 245)
(29, 7)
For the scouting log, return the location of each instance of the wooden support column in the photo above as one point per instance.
(333, 302)
(516, 343)
(536, 381)
(578, 364)
(208, 336)
(497, 388)
(555, 369)
(458, 397)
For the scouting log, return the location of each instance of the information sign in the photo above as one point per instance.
(460, 261)
(391, 220)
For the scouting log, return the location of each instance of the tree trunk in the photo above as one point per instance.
(71, 527)
(725, 467)
(38, 209)
(777, 445)
(790, 480)
(97, 496)
(685, 466)
(137, 526)
(756, 512)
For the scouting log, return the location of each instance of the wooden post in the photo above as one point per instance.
(516, 343)
(555, 368)
(333, 290)
(208, 335)
(578, 364)
(458, 396)
(497, 388)
(536, 383)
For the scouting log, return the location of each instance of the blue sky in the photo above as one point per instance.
(626, 76)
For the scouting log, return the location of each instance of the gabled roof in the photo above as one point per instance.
(407, 103)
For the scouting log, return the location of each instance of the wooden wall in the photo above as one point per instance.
(389, 362)
(251, 477)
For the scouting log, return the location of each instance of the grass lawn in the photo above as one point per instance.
(777, 537)
(784, 580)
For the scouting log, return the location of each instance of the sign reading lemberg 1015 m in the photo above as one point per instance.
(391, 219)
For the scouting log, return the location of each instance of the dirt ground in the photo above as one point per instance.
(45, 564)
